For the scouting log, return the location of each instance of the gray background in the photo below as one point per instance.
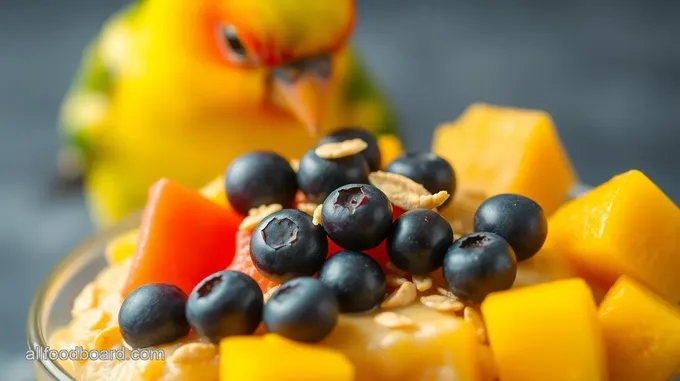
(608, 72)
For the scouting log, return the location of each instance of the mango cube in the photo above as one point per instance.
(546, 332)
(641, 332)
(626, 226)
(508, 150)
(271, 357)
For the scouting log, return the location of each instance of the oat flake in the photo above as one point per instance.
(395, 280)
(442, 303)
(256, 215)
(107, 338)
(307, 207)
(269, 293)
(406, 193)
(193, 353)
(422, 282)
(316, 216)
(401, 297)
(471, 316)
(342, 149)
(393, 320)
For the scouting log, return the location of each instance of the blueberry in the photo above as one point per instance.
(286, 244)
(356, 279)
(318, 177)
(227, 303)
(427, 169)
(357, 216)
(152, 315)
(260, 178)
(478, 264)
(371, 153)
(418, 241)
(302, 309)
(518, 219)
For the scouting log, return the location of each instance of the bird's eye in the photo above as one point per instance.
(232, 46)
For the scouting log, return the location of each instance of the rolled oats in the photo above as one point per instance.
(406, 193)
(271, 292)
(401, 297)
(422, 282)
(256, 215)
(316, 216)
(393, 320)
(194, 352)
(445, 292)
(342, 149)
(107, 338)
(442, 303)
(471, 316)
(85, 300)
(395, 280)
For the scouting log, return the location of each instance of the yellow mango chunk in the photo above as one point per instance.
(626, 226)
(274, 358)
(390, 148)
(439, 347)
(214, 191)
(123, 246)
(546, 332)
(641, 332)
(508, 150)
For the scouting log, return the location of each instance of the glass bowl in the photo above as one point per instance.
(52, 303)
(51, 306)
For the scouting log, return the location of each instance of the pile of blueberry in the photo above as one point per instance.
(289, 248)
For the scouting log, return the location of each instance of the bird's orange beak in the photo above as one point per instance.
(304, 85)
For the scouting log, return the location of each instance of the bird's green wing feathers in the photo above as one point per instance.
(366, 101)
(85, 105)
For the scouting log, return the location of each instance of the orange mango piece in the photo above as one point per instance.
(439, 346)
(183, 238)
(642, 333)
(390, 148)
(546, 332)
(626, 226)
(507, 150)
(271, 357)
(122, 247)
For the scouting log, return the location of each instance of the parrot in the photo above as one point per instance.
(178, 89)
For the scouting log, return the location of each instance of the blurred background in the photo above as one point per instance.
(607, 71)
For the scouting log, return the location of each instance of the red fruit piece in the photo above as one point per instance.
(244, 263)
(184, 237)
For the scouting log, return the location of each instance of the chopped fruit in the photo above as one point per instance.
(141, 325)
(226, 303)
(478, 264)
(418, 241)
(318, 177)
(641, 332)
(357, 280)
(243, 262)
(508, 150)
(302, 309)
(546, 332)
(214, 191)
(286, 244)
(390, 148)
(626, 226)
(427, 169)
(122, 247)
(371, 154)
(260, 178)
(241, 358)
(437, 346)
(518, 219)
(184, 238)
(357, 216)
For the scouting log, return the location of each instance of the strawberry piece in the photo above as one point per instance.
(244, 263)
(184, 237)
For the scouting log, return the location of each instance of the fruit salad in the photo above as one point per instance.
(358, 262)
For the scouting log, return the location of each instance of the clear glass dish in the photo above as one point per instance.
(51, 306)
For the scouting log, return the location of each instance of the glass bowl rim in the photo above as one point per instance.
(70, 264)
